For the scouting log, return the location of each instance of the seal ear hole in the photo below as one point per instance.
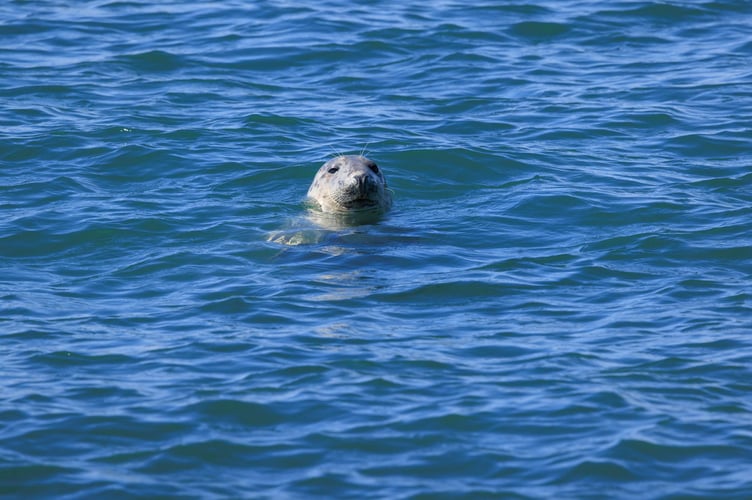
(333, 170)
(374, 168)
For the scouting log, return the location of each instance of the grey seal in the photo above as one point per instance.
(350, 184)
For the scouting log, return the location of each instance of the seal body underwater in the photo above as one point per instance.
(350, 184)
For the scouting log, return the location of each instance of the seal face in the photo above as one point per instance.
(350, 183)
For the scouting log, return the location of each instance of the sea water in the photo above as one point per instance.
(559, 304)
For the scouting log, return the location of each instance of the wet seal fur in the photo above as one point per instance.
(350, 184)
(347, 191)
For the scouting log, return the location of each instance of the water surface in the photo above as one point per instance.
(558, 304)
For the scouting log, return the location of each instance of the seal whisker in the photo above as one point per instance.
(337, 154)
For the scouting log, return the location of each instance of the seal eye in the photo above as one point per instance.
(374, 168)
(333, 170)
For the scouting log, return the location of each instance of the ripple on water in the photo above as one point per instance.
(558, 303)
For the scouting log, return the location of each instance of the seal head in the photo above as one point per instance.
(348, 184)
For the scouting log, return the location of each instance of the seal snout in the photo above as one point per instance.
(363, 184)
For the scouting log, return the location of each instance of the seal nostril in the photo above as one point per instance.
(369, 184)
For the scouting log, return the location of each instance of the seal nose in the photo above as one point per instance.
(363, 183)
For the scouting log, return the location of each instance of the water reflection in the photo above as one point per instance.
(345, 285)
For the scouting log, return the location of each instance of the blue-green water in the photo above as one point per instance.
(558, 306)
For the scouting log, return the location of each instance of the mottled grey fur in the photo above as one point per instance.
(350, 183)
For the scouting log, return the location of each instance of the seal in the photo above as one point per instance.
(347, 191)
(350, 183)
